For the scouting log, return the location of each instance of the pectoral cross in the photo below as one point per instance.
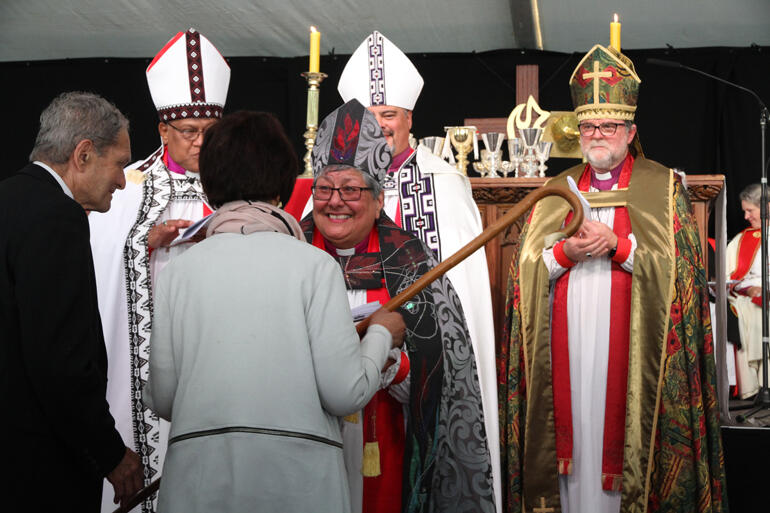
(596, 75)
(542, 508)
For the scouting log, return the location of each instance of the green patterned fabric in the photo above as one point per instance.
(604, 85)
(688, 462)
(686, 472)
(512, 392)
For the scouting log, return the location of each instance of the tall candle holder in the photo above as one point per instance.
(314, 80)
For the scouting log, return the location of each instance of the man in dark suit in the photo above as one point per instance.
(59, 437)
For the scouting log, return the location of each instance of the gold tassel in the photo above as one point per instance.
(371, 466)
(352, 418)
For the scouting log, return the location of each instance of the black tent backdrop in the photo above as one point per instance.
(685, 120)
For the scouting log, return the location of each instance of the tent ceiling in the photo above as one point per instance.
(56, 29)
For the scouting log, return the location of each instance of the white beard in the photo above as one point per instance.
(600, 163)
(607, 161)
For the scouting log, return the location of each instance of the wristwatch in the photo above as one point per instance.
(613, 251)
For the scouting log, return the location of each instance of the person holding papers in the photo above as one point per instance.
(420, 443)
(188, 81)
(744, 271)
(608, 374)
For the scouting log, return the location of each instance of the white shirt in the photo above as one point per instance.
(56, 176)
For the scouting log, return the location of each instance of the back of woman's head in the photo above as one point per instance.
(247, 156)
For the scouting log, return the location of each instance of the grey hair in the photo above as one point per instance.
(752, 194)
(71, 118)
(629, 125)
(371, 182)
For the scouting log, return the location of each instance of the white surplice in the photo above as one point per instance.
(127, 338)
(353, 432)
(588, 325)
(749, 357)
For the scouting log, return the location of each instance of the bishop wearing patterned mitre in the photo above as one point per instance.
(607, 396)
(429, 198)
(419, 445)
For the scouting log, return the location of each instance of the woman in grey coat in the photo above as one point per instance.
(254, 354)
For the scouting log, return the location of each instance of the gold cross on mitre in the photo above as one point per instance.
(542, 508)
(596, 75)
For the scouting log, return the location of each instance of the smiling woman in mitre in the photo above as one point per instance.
(420, 442)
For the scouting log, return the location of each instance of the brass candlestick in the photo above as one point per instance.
(314, 80)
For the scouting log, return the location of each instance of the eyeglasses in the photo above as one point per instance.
(189, 134)
(347, 192)
(609, 128)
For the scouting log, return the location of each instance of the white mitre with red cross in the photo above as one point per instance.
(188, 78)
(378, 73)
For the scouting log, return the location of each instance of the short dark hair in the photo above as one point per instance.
(247, 156)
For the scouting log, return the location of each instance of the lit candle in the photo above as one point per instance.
(615, 33)
(315, 50)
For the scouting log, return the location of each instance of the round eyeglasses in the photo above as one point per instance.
(607, 129)
(346, 192)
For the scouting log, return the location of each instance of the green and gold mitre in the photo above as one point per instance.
(604, 85)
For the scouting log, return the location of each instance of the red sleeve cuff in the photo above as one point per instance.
(757, 300)
(562, 259)
(403, 370)
(624, 250)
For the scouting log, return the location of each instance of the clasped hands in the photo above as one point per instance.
(592, 240)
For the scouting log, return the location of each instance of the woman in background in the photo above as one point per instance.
(745, 268)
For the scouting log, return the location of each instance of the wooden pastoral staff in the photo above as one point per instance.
(487, 235)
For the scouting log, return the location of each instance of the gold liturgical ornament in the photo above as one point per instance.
(522, 117)
(562, 130)
(463, 138)
(559, 127)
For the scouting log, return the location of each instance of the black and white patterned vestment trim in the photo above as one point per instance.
(158, 190)
(376, 47)
(418, 204)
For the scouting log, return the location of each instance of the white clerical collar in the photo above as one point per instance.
(56, 176)
(345, 252)
(603, 176)
(187, 175)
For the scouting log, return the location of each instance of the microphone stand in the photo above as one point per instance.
(762, 401)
